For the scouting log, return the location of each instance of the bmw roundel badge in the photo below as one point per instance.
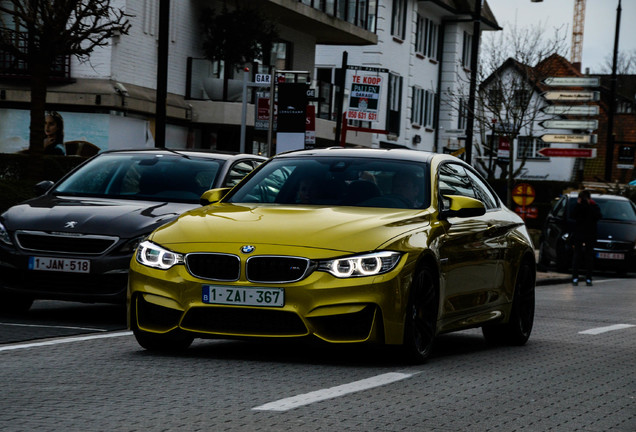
(247, 249)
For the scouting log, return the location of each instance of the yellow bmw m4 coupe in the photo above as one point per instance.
(344, 245)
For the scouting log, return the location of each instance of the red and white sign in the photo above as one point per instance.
(503, 149)
(568, 152)
(310, 126)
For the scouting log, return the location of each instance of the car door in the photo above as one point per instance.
(470, 250)
(554, 229)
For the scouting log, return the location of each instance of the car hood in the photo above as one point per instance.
(616, 230)
(123, 218)
(345, 229)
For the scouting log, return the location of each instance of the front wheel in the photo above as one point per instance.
(15, 303)
(420, 325)
(518, 328)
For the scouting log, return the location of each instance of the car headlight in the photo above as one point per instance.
(130, 246)
(153, 255)
(4, 236)
(369, 264)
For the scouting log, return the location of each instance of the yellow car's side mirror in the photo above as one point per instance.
(213, 195)
(461, 206)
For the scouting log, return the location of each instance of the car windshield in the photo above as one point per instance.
(152, 177)
(612, 209)
(349, 181)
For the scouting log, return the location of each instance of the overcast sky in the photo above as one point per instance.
(598, 31)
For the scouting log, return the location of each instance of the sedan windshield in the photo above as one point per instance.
(617, 210)
(350, 181)
(150, 177)
(612, 209)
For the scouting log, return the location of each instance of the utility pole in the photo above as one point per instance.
(609, 150)
(473, 82)
(162, 74)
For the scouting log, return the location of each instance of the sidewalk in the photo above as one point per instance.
(552, 278)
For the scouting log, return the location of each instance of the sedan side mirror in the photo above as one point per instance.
(461, 206)
(42, 187)
(213, 195)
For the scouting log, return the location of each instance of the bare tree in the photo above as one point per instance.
(512, 65)
(625, 63)
(39, 31)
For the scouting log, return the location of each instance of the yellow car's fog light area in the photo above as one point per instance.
(156, 314)
(345, 323)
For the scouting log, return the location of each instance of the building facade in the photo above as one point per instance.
(110, 99)
(423, 58)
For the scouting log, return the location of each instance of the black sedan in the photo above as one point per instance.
(616, 233)
(75, 241)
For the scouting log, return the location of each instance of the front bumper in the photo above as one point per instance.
(366, 309)
(106, 281)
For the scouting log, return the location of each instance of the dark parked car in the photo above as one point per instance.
(616, 233)
(75, 241)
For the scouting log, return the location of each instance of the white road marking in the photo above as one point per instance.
(63, 341)
(51, 326)
(599, 330)
(333, 392)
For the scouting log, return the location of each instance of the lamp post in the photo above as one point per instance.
(609, 149)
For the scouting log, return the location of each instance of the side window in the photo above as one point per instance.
(237, 172)
(559, 208)
(453, 180)
(482, 191)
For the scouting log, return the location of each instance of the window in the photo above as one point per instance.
(431, 42)
(521, 99)
(467, 50)
(456, 180)
(421, 32)
(426, 37)
(394, 103)
(482, 191)
(528, 146)
(423, 107)
(398, 19)
(462, 115)
(495, 98)
(417, 108)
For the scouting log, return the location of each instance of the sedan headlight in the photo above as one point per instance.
(4, 236)
(369, 264)
(153, 255)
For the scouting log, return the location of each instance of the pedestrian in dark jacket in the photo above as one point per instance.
(586, 214)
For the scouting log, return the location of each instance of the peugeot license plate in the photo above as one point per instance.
(59, 264)
(272, 297)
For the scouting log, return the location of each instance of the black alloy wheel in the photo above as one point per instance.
(420, 326)
(518, 328)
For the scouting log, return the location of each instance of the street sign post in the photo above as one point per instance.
(568, 152)
(569, 139)
(569, 124)
(572, 81)
(582, 110)
(572, 96)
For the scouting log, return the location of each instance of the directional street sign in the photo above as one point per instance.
(569, 124)
(572, 96)
(567, 152)
(570, 139)
(582, 110)
(572, 81)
